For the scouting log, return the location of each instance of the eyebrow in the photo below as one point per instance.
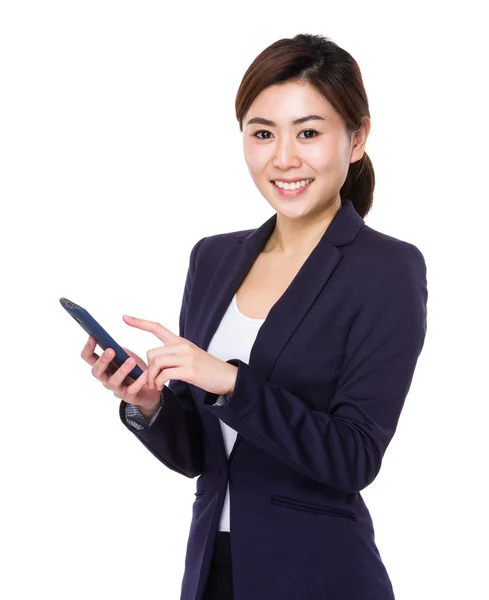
(263, 121)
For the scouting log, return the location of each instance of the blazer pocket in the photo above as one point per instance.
(199, 493)
(314, 508)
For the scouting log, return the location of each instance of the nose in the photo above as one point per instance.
(285, 156)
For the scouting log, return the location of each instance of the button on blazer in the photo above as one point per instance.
(314, 411)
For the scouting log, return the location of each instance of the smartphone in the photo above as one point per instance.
(103, 339)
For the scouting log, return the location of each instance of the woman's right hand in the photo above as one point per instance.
(117, 380)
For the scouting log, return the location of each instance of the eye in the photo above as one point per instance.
(305, 131)
(310, 131)
(261, 131)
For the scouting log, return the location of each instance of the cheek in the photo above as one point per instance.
(256, 156)
(325, 157)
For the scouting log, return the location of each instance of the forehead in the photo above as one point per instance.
(284, 102)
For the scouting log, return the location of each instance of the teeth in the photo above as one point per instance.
(294, 185)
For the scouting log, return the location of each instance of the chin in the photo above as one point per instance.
(292, 212)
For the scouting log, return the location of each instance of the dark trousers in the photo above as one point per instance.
(219, 584)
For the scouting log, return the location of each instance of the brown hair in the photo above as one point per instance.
(336, 75)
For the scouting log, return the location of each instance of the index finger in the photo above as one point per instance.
(88, 353)
(164, 334)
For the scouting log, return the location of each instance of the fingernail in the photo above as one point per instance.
(108, 353)
(130, 362)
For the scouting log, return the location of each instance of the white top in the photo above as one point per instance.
(234, 338)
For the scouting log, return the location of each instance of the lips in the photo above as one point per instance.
(292, 193)
(292, 180)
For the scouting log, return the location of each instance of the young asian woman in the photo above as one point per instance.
(297, 345)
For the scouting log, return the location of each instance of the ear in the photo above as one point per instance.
(359, 140)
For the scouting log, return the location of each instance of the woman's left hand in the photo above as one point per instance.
(181, 359)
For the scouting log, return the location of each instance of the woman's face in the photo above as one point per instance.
(320, 149)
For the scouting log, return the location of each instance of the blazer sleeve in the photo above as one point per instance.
(343, 447)
(175, 434)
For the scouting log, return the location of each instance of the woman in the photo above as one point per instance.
(298, 342)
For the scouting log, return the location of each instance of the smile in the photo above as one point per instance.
(291, 192)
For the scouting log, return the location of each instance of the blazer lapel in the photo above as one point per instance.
(287, 313)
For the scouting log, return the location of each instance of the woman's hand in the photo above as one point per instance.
(117, 380)
(181, 359)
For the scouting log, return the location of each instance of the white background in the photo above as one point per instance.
(119, 149)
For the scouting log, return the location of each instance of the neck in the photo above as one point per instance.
(294, 238)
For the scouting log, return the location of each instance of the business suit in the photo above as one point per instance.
(315, 410)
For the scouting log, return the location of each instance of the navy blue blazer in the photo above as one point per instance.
(315, 410)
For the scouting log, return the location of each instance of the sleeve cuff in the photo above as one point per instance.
(136, 419)
(221, 399)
